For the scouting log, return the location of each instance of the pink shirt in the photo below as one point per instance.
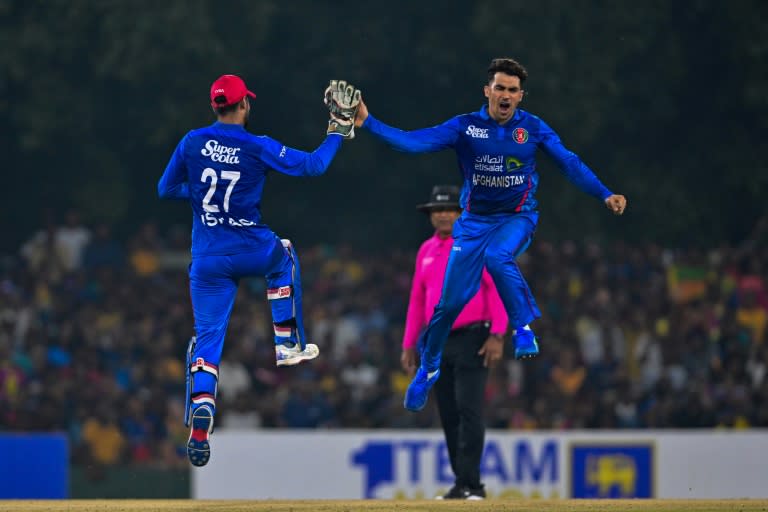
(431, 261)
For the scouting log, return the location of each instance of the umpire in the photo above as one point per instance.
(476, 342)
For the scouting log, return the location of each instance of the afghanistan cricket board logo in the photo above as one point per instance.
(520, 135)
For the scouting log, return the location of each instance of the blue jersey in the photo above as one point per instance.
(497, 161)
(221, 170)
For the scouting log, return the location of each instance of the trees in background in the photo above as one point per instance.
(665, 100)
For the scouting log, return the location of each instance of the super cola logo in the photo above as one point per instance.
(220, 153)
(477, 133)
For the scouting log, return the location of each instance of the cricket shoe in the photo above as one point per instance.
(199, 446)
(463, 493)
(418, 389)
(454, 493)
(526, 344)
(289, 356)
(475, 494)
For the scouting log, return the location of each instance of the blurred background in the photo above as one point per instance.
(655, 319)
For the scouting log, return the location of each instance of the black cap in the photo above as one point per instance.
(443, 196)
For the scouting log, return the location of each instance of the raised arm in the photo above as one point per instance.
(342, 100)
(577, 171)
(425, 140)
(294, 162)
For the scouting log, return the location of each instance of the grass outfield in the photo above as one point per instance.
(385, 505)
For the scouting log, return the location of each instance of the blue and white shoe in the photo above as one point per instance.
(526, 344)
(418, 389)
(289, 356)
(199, 446)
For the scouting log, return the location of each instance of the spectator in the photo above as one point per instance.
(103, 249)
(98, 340)
(71, 239)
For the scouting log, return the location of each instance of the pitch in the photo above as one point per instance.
(385, 505)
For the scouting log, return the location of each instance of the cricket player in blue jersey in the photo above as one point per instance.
(221, 170)
(496, 150)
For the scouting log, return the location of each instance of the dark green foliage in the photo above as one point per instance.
(666, 101)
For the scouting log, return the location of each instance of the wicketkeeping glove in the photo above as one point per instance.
(342, 100)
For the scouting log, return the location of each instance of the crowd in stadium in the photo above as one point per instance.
(93, 333)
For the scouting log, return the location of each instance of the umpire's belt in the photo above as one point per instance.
(475, 326)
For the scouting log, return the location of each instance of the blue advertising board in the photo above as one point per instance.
(35, 466)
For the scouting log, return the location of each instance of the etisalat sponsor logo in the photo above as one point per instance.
(496, 163)
(489, 163)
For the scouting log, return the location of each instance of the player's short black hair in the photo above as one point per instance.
(221, 111)
(507, 66)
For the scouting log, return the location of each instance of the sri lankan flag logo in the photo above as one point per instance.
(520, 135)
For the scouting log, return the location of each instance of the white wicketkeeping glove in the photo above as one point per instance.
(342, 100)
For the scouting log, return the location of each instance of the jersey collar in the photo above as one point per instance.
(228, 126)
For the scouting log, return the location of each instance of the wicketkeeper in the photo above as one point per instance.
(221, 170)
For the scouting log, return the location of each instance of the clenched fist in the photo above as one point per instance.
(616, 203)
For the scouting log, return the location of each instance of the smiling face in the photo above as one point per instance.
(504, 93)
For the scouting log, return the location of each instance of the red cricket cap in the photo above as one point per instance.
(228, 90)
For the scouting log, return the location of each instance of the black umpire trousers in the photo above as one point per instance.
(460, 393)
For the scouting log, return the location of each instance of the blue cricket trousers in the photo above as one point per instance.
(213, 283)
(493, 241)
